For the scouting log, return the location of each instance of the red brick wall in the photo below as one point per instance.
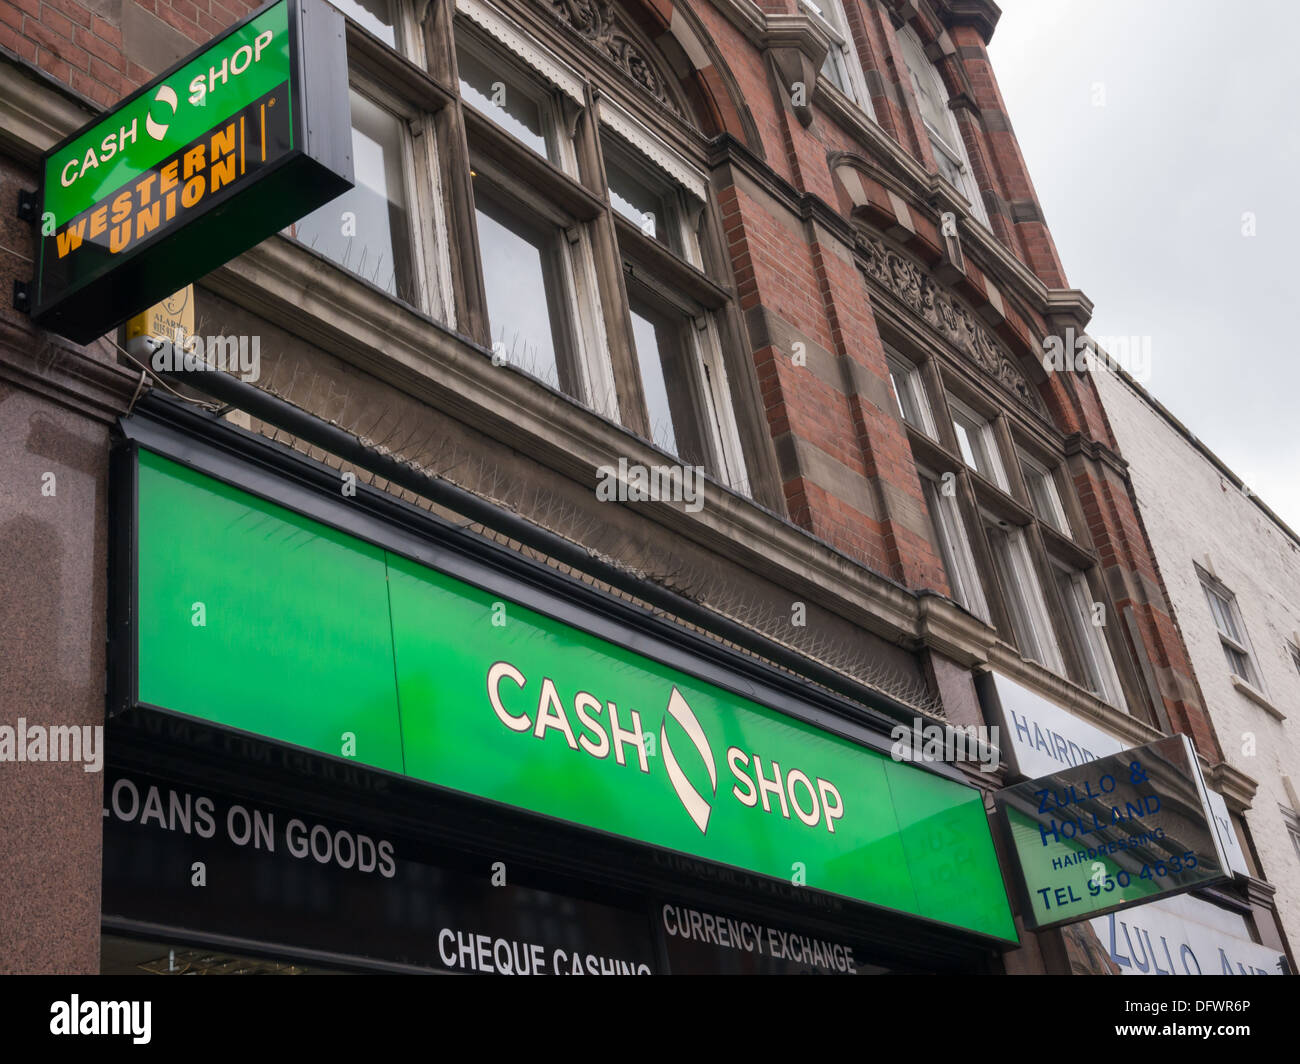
(795, 270)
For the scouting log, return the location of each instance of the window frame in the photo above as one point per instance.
(426, 232)
(1058, 521)
(408, 41)
(913, 383)
(667, 270)
(951, 145)
(673, 274)
(842, 53)
(983, 440)
(953, 540)
(1023, 594)
(1091, 645)
(1238, 641)
(548, 95)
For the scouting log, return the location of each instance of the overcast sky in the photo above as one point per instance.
(1150, 127)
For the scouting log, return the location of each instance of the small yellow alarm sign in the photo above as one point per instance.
(171, 320)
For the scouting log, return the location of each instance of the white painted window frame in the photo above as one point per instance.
(984, 437)
(689, 185)
(1099, 663)
(954, 546)
(1214, 590)
(843, 53)
(1025, 596)
(1057, 518)
(904, 374)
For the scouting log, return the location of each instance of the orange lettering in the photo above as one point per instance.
(144, 186)
(223, 172)
(192, 167)
(121, 207)
(223, 143)
(193, 191)
(147, 220)
(119, 237)
(70, 238)
(169, 176)
(98, 221)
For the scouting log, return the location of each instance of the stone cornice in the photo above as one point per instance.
(35, 113)
(1235, 786)
(67, 374)
(1077, 443)
(982, 14)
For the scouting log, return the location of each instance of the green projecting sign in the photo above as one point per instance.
(257, 618)
(1112, 833)
(232, 144)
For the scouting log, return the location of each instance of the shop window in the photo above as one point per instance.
(1091, 649)
(909, 393)
(1023, 595)
(954, 547)
(1232, 632)
(946, 143)
(841, 68)
(1043, 494)
(977, 443)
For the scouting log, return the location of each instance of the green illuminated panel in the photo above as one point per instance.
(295, 642)
(310, 634)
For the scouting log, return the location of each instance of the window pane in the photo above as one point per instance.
(649, 355)
(1238, 663)
(670, 380)
(1044, 497)
(1089, 641)
(1029, 621)
(636, 201)
(965, 443)
(366, 230)
(504, 99)
(523, 293)
(954, 548)
(1222, 611)
(373, 15)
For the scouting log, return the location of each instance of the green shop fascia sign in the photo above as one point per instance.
(255, 617)
(242, 137)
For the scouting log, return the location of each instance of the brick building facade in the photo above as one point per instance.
(794, 246)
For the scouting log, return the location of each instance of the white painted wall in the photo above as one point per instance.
(1191, 512)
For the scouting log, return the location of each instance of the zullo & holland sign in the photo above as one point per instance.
(1111, 833)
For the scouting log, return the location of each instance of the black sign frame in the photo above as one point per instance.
(316, 170)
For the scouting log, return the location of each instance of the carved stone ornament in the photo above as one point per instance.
(594, 21)
(912, 286)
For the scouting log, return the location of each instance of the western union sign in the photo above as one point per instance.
(229, 146)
